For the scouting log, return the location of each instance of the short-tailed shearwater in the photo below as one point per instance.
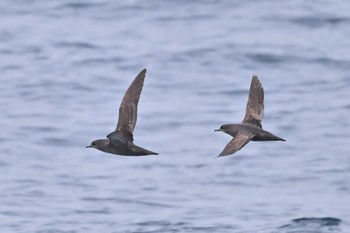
(120, 141)
(250, 129)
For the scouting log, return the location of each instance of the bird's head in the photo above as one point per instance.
(99, 143)
(223, 128)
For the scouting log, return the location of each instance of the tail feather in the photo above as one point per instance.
(268, 137)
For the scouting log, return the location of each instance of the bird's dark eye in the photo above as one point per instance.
(93, 143)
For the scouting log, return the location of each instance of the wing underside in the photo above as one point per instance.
(237, 143)
(255, 105)
(128, 107)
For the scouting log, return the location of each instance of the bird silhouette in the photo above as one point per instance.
(250, 129)
(120, 142)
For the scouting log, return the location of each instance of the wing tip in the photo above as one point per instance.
(224, 153)
(256, 78)
(142, 73)
(220, 155)
(256, 84)
(140, 77)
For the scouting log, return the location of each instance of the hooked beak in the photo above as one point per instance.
(217, 130)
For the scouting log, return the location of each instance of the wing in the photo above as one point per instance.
(237, 143)
(255, 107)
(128, 107)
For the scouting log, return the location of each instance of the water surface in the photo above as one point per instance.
(65, 66)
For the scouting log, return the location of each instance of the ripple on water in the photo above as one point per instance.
(309, 224)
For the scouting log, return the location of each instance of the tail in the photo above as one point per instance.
(142, 151)
(146, 152)
(275, 138)
(153, 153)
(267, 136)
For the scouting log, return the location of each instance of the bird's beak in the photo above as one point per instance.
(88, 146)
(217, 130)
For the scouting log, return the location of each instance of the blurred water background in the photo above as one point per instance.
(64, 68)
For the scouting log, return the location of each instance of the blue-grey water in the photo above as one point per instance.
(65, 65)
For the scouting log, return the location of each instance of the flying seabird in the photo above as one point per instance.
(120, 142)
(250, 129)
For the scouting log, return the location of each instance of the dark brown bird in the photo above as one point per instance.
(250, 129)
(120, 142)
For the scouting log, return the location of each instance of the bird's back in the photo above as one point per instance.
(233, 129)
